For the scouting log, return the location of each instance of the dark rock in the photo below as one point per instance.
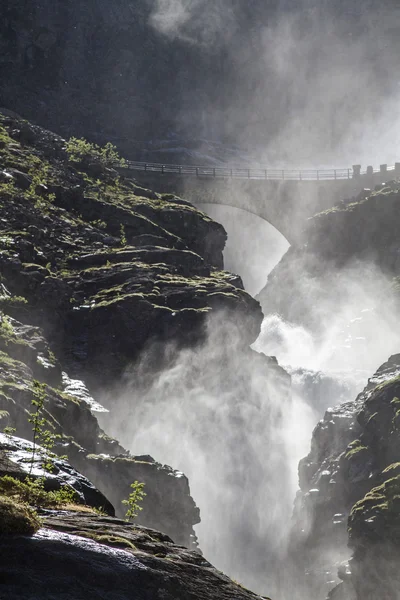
(352, 471)
(78, 555)
(22, 180)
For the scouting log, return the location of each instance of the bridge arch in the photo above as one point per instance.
(254, 246)
(248, 210)
(285, 204)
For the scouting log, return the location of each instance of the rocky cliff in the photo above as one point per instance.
(95, 270)
(341, 284)
(349, 487)
(349, 254)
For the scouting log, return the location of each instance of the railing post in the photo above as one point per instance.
(283, 174)
(180, 170)
(397, 169)
(197, 171)
(145, 167)
(383, 170)
(162, 168)
(356, 171)
(348, 173)
(214, 171)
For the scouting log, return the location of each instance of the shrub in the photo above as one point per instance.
(31, 491)
(80, 150)
(16, 518)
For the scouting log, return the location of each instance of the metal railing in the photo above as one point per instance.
(250, 173)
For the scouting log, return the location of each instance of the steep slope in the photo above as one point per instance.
(351, 477)
(94, 269)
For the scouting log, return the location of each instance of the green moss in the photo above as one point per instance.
(16, 518)
(109, 540)
(392, 467)
(354, 448)
(383, 503)
(32, 492)
(388, 383)
(5, 359)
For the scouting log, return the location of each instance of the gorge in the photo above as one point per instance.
(152, 334)
(106, 281)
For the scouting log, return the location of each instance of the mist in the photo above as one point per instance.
(225, 416)
(314, 85)
(253, 247)
(306, 84)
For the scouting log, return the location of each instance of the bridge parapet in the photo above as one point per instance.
(234, 172)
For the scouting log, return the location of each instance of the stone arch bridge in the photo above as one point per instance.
(284, 198)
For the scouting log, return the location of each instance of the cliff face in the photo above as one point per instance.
(94, 269)
(342, 285)
(350, 478)
(346, 251)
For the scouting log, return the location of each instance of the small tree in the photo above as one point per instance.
(135, 498)
(42, 436)
(79, 150)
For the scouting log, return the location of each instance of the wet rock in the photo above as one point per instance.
(353, 462)
(77, 555)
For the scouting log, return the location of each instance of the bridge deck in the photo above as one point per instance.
(253, 173)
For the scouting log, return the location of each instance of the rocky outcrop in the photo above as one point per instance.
(350, 477)
(79, 555)
(76, 548)
(95, 269)
(99, 258)
(342, 247)
(21, 459)
(70, 411)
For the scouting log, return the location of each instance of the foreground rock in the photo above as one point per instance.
(76, 556)
(73, 552)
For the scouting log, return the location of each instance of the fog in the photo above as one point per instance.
(320, 90)
(253, 247)
(307, 84)
(227, 419)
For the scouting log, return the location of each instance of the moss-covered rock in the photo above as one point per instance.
(101, 260)
(17, 518)
(112, 558)
(351, 477)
